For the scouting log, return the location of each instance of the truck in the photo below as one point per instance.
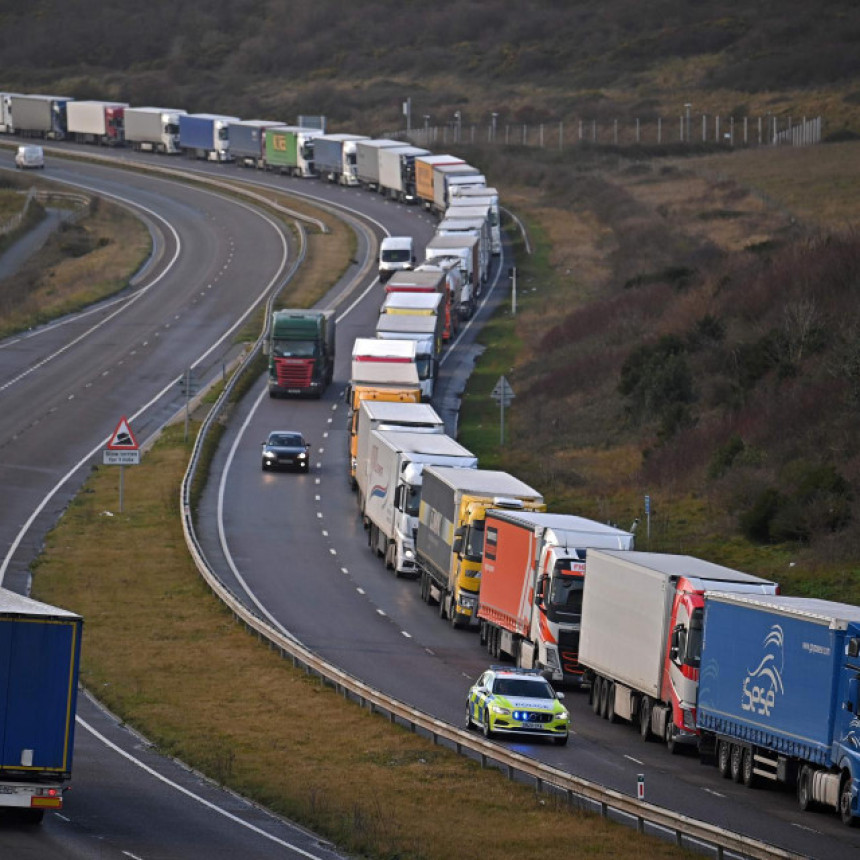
(153, 129)
(424, 331)
(206, 135)
(477, 225)
(445, 176)
(641, 636)
(532, 579)
(389, 486)
(39, 115)
(449, 544)
(247, 139)
(467, 249)
(40, 651)
(300, 346)
(414, 303)
(381, 370)
(98, 122)
(396, 254)
(481, 196)
(7, 123)
(433, 279)
(367, 160)
(779, 696)
(424, 165)
(459, 302)
(290, 150)
(397, 172)
(335, 157)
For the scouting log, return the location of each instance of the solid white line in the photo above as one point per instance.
(187, 793)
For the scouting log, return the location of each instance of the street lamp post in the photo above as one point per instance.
(458, 120)
(426, 128)
(495, 117)
(688, 108)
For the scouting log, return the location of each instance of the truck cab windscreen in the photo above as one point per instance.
(565, 596)
(424, 366)
(295, 348)
(473, 546)
(690, 651)
(412, 500)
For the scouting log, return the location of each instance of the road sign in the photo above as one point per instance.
(121, 458)
(503, 394)
(123, 439)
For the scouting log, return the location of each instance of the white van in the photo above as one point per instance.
(396, 253)
(30, 156)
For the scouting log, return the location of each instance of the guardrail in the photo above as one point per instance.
(686, 832)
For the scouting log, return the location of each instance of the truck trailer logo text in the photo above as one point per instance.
(762, 684)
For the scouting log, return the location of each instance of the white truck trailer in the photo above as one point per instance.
(393, 477)
(153, 129)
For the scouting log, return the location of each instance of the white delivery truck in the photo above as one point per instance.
(393, 476)
(423, 330)
(153, 129)
(481, 196)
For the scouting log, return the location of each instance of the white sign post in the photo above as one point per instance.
(122, 450)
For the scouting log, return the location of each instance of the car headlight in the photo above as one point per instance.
(500, 711)
(563, 716)
(268, 455)
(408, 554)
(303, 455)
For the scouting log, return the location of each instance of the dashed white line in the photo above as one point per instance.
(634, 760)
(360, 590)
(381, 612)
(404, 633)
(715, 793)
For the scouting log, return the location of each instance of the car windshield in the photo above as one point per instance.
(530, 689)
(291, 440)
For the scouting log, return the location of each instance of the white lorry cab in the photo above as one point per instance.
(396, 253)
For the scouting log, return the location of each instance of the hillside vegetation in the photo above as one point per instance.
(356, 63)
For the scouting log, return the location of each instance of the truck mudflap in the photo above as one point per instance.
(568, 654)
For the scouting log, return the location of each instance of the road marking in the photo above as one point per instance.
(316, 498)
(360, 590)
(319, 515)
(804, 827)
(344, 570)
(381, 612)
(404, 633)
(324, 533)
(634, 760)
(715, 793)
(333, 551)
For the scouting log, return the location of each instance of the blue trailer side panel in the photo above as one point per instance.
(770, 678)
(196, 132)
(39, 663)
(328, 155)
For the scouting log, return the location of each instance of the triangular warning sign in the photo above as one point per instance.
(122, 439)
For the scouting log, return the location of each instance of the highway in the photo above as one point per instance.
(334, 595)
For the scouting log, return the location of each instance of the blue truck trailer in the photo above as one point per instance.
(40, 650)
(206, 135)
(779, 695)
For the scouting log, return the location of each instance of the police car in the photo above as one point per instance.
(508, 701)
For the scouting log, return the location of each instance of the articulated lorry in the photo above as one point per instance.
(248, 141)
(779, 695)
(424, 165)
(39, 116)
(153, 129)
(640, 640)
(481, 196)
(423, 330)
(97, 122)
(450, 539)
(477, 225)
(381, 370)
(367, 160)
(300, 346)
(391, 467)
(397, 172)
(289, 149)
(7, 123)
(467, 249)
(448, 176)
(40, 652)
(206, 135)
(458, 294)
(335, 157)
(445, 281)
(532, 580)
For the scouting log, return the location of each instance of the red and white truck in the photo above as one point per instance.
(641, 637)
(532, 578)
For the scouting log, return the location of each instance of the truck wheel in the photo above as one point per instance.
(736, 758)
(610, 704)
(804, 788)
(442, 599)
(670, 736)
(645, 718)
(748, 777)
(845, 812)
(604, 698)
(724, 758)
(596, 684)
